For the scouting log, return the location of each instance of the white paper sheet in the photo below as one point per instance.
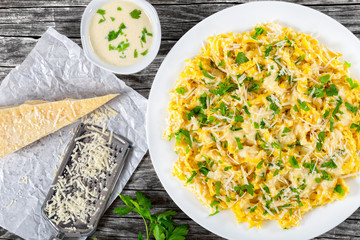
(56, 69)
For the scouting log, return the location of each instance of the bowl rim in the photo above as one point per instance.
(89, 51)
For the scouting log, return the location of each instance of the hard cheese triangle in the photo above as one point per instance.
(23, 124)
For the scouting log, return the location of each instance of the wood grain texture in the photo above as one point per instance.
(23, 22)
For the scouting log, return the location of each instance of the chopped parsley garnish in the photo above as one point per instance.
(135, 53)
(324, 79)
(266, 188)
(144, 52)
(239, 144)
(102, 13)
(181, 90)
(239, 118)
(329, 164)
(294, 163)
(183, 134)
(191, 177)
(357, 126)
(119, 8)
(235, 97)
(352, 83)
(318, 180)
(206, 74)
(215, 202)
(296, 109)
(228, 53)
(258, 32)
(311, 166)
(135, 13)
(286, 130)
(121, 47)
(325, 176)
(221, 64)
(347, 64)
(303, 106)
(268, 49)
(202, 99)
(217, 188)
(227, 168)
(259, 165)
(273, 105)
(338, 189)
(351, 108)
(253, 209)
(213, 137)
(113, 35)
(300, 59)
(332, 91)
(279, 194)
(216, 212)
(246, 109)
(144, 33)
(321, 139)
(112, 19)
(204, 170)
(248, 187)
(241, 58)
(319, 91)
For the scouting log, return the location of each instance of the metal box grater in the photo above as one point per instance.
(120, 149)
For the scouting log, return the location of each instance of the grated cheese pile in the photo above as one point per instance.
(79, 189)
(266, 124)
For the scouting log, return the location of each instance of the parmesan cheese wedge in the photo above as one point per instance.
(23, 124)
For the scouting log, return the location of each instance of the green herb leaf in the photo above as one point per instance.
(300, 59)
(351, 108)
(216, 212)
(217, 188)
(357, 126)
(268, 50)
(253, 209)
(181, 90)
(258, 32)
(204, 170)
(183, 134)
(296, 109)
(113, 35)
(352, 83)
(294, 163)
(122, 210)
(303, 106)
(206, 74)
(239, 144)
(325, 176)
(227, 168)
(135, 13)
(259, 165)
(142, 200)
(286, 130)
(241, 58)
(311, 166)
(135, 53)
(329, 164)
(144, 52)
(338, 188)
(221, 64)
(112, 19)
(347, 64)
(321, 139)
(324, 79)
(332, 91)
(191, 177)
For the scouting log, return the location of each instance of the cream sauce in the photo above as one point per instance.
(120, 34)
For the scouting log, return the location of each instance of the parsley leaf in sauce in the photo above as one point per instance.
(352, 83)
(303, 106)
(321, 139)
(113, 35)
(206, 74)
(241, 58)
(135, 13)
(294, 163)
(181, 90)
(258, 32)
(102, 13)
(338, 189)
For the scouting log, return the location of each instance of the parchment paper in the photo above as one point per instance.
(56, 69)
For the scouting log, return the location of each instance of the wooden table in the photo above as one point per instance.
(22, 22)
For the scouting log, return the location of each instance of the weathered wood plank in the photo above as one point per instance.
(175, 19)
(56, 3)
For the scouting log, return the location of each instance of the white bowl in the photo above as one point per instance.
(89, 51)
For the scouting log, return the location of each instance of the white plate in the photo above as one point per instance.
(238, 19)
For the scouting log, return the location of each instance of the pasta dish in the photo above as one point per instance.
(266, 123)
